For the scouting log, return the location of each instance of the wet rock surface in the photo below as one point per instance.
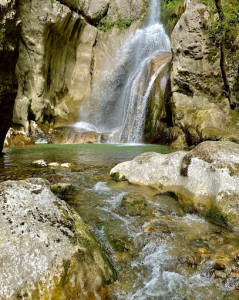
(204, 179)
(70, 135)
(134, 204)
(17, 138)
(63, 261)
(164, 249)
(62, 189)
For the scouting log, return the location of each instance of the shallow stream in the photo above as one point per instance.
(159, 252)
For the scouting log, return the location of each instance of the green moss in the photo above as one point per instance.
(218, 217)
(116, 177)
(170, 13)
(107, 24)
(122, 24)
(223, 22)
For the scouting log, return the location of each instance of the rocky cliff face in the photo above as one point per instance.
(204, 76)
(9, 27)
(62, 53)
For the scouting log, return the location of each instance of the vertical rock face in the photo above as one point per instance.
(53, 69)
(204, 73)
(158, 117)
(58, 54)
(9, 26)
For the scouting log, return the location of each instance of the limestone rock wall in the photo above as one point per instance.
(204, 76)
(158, 118)
(60, 54)
(9, 29)
(54, 62)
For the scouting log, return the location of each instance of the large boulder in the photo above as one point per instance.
(70, 135)
(47, 251)
(17, 138)
(91, 9)
(205, 179)
(9, 34)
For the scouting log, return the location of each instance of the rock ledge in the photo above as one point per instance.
(205, 180)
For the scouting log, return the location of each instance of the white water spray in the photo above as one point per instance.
(123, 93)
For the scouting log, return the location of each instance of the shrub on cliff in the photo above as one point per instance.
(170, 13)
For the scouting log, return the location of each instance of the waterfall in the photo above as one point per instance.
(126, 83)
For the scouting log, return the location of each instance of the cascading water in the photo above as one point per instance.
(123, 92)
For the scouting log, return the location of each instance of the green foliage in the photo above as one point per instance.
(116, 177)
(173, 3)
(107, 25)
(170, 13)
(218, 217)
(122, 24)
(223, 25)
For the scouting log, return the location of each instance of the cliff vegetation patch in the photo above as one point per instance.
(170, 13)
(107, 25)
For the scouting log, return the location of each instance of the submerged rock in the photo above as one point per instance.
(66, 165)
(205, 179)
(134, 204)
(47, 251)
(53, 164)
(63, 188)
(39, 163)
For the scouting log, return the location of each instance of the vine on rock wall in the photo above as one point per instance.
(223, 32)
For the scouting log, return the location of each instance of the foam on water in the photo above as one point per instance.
(101, 187)
(192, 218)
(115, 201)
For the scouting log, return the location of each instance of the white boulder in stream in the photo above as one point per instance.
(205, 179)
(46, 250)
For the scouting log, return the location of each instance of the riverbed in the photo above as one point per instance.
(159, 252)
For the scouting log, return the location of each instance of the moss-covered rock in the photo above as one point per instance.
(62, 189)
(134, 204)
(158, 117)
(171, 11)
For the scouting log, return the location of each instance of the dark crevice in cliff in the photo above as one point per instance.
(92, 65)
(76, 9)
(222, 46)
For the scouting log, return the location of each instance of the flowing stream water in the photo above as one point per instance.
(162, 253)
(126, 83)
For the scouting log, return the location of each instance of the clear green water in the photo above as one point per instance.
(160, 254)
